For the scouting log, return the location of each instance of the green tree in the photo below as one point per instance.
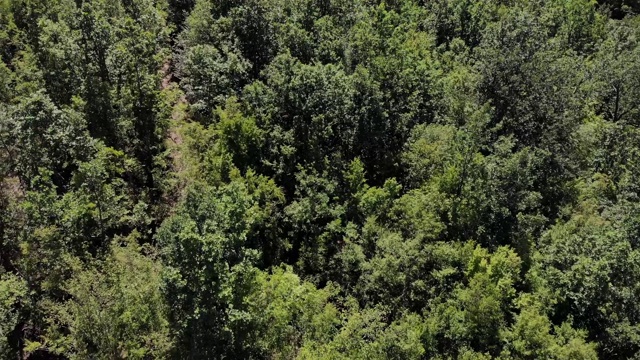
(210, 76)
(290, 313)
(590, 267)
(116, 310)
(210, 268)
(533, 337)
(13, 292)
(47, 137)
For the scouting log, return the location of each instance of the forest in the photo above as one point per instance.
(319, 179)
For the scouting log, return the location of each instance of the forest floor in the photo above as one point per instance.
(174, 139)
(178, 112)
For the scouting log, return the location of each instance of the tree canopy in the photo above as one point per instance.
(302, 179)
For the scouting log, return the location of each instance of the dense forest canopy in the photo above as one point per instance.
(319, 179)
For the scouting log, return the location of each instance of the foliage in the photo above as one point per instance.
(131, 321)
(348, 179)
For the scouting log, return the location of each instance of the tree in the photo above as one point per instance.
(532, 337)
(13, 292)
(116, 310)
(473, 317)
(590, 267)
(290, 313)
(210, 268)
(47, 137)
(210, 76)
(364, 335)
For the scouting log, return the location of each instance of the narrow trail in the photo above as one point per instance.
(11, 187)
(177, 114)
(174, 139)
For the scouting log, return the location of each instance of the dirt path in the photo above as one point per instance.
(178, 110)
(174, 139)
(168, 75)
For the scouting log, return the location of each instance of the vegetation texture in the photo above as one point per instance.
(319, 179)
